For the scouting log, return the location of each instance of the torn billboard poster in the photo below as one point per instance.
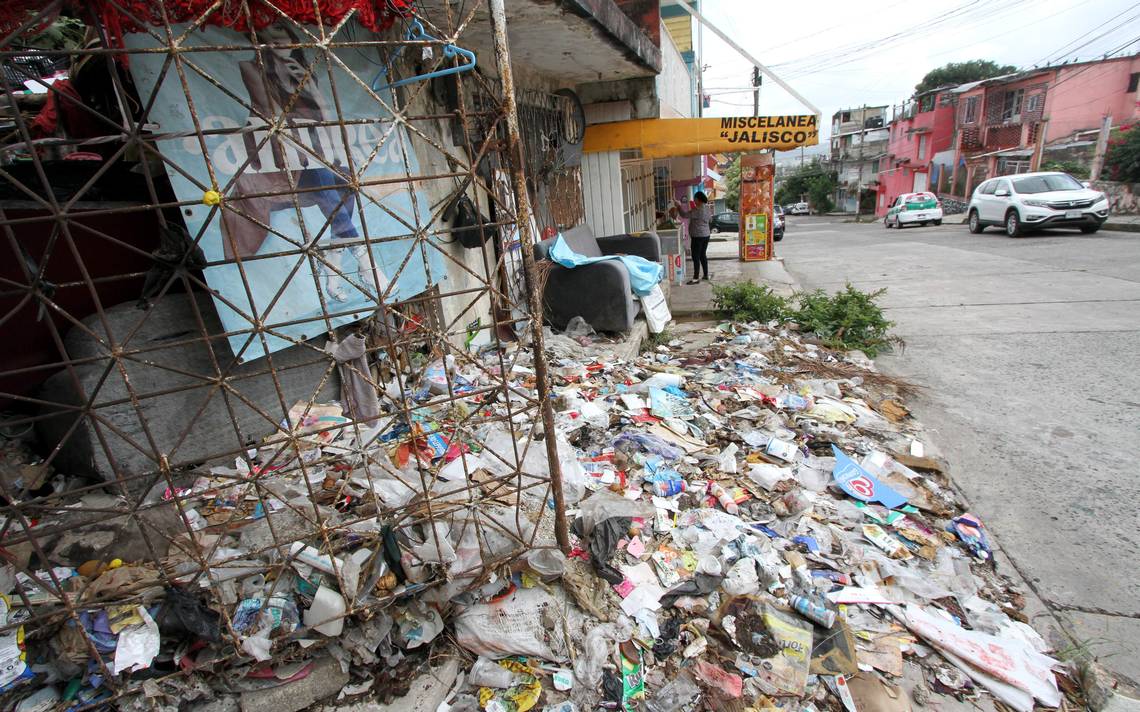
(278, 134)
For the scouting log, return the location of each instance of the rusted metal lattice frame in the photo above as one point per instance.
(26, 513)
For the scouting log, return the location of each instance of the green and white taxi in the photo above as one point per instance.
(914, 209)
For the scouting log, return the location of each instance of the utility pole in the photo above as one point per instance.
(1039, 146)
(757, 80)
(1101, 148)
(700, 60)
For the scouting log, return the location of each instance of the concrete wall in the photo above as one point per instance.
(675, 83)
(1081, 96)
(1123, 198)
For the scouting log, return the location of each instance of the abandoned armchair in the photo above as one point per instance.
(600, 292)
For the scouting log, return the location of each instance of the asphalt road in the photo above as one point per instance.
(1029, 351)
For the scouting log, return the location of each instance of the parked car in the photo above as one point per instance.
(800, 209)
(1036, 200)
(730, 222)
(914, 209)
(725, 222)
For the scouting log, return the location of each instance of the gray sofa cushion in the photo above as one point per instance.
(580, 238)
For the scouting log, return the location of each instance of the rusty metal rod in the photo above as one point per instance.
(534, 299)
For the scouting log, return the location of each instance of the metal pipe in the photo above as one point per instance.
(534, 299)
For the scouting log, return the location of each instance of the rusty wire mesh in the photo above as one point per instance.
(187, 428)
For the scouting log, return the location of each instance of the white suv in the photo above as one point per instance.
(1035, 200)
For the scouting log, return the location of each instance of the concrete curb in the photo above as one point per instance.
(1122, 226)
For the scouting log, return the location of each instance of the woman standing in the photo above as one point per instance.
(699, 216)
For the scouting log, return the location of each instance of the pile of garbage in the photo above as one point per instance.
(755, 522)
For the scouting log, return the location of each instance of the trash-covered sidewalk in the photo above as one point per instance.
(759, 527)
(755, 525)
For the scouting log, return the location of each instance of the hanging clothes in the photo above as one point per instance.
(357, 392)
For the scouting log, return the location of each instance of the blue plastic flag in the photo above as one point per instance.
(862, 485)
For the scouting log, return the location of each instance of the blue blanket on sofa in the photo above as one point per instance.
(643, 274)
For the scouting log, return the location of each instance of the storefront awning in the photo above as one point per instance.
(662, 138)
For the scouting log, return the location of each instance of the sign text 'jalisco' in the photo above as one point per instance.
(766, 130)
(661, 138)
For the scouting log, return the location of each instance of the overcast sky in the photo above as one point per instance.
(842, 54)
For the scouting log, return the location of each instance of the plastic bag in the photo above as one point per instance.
(488, 673)
(577, 328)
(742, 578)
(726, 460)
(632, 442)
(596, 651)
(675, 696)
(547, 563)
(605, 504)
(814, 474)
(768, 476)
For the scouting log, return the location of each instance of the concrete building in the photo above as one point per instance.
(623, 192)
(858, 140)
(917, 157)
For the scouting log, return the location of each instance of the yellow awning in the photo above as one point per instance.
(664, 138)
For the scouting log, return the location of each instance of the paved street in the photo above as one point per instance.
(1028, 351)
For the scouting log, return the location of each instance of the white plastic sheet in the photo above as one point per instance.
(1011, 661)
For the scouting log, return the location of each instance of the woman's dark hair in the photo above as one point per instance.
(700, 195)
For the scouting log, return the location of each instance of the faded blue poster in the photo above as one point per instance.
(283, 178)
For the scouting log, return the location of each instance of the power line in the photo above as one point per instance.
(1094, 63)
(969, 13)
(1063, 49)
(859, 53)
(1005, 33)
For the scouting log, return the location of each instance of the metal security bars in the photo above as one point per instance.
(257, 389)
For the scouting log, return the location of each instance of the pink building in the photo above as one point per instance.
(1012, 124)
(918, 132)
(998, 123)
(1081, 95)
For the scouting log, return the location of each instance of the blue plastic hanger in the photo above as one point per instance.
(416, 33)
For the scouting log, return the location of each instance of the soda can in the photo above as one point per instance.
(813, 610)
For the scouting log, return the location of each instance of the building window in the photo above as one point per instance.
(1033, 103)
(1134, 82)
(922, 147)
(1011, 105)
(971, 110)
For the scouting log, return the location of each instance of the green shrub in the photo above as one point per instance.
(1073, 168)
(745, 301)
(849, 319)
(1122, 161)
